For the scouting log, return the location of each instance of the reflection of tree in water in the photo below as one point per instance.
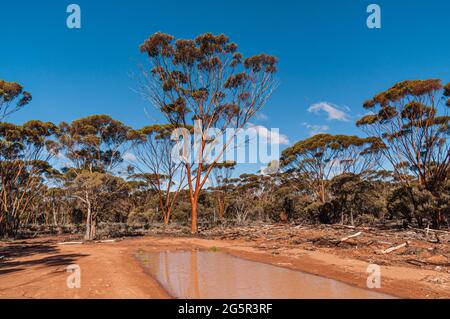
(193, 288)
(166, 273)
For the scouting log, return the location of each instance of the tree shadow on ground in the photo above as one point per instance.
(10, 253)
(56, 260)
(24, 249)
(8, 271)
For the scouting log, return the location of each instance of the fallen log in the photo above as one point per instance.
(71, 243)
(391, 249)
(416, 262)
(351, 236)
(339, 226)
(430, 230)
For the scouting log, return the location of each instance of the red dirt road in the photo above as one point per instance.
(37, 268)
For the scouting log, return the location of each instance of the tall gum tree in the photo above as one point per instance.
(317, 159)
(152, 146)
(94, 147)
(25, 152)
(205, 81)
(412, 119)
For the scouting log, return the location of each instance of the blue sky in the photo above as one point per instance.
(326, 53)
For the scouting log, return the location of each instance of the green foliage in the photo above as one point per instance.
(316, 159)
(12, 98)
(354, 196)
(25, 151)
(178, 66)
(417, 204)
(324, 179)
(94, 143)
(413, 122)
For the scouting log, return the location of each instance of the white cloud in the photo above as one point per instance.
(333, 111)
(314, 129)
(261, 117)
(273, 136)
(129, 157)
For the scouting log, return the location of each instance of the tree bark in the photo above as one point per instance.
(166, 215)
(194, 205)
(351, 217)
(55, 220)
(47, 213)
(221, 207)
(93, 226)
(322, 192)
(88, 220)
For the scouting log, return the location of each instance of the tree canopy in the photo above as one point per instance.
(318, 158)
(412, 119)
(12, 98)
(206, 83)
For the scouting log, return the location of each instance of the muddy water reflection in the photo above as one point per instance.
(205, 274)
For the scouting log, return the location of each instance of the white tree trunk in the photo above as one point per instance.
(88, 235)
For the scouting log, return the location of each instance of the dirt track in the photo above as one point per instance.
(37, 268)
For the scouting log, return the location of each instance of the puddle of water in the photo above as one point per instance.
(204, 274)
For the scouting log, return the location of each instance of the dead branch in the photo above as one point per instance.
(429, 230)
(71, 243)
(351, 236)
(416, 262)
(391, 249)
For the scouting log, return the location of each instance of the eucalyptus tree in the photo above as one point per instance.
(99, 192)
(56, 202)
(93, 149)
(206, 83)
(412, 119)
(94, 143)
(25, 152)
(220, 184)
(246, 190)
(354, 195)
(12, 98)
(255, 194)
(152, 146)
(317, 159)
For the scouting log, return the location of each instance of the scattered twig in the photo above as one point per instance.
(429, 230)
(391, 249)
(351, 236)
(71, 243)
(339, 226)
(416, 262)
